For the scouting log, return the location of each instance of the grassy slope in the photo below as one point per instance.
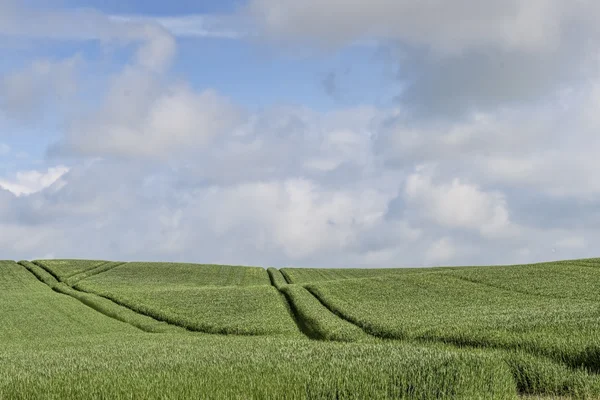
(154, 275)
(277, 278)
(182, 364)
(190, 366)
(309, 275)
(318, 321)
(441, 306)
(206, 298)
(100, 304)
(568, 280)
(66, 268)
(254, 310)
(30, 310)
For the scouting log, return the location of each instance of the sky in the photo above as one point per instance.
(322, 133)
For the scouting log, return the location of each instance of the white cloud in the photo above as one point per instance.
(198, 25)
(403, 141)
(28, 182)
(155, 52)
(457, 204)
(24, 93)
(140, 118)
(19, 239)
(572, 242)
(440, 251)
(452, 58)
(446, 27)
(290, 185)
(297, 215)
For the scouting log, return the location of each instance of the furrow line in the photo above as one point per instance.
(286, 276)
(321, 323)
(98, 304)
(293, 312)
(77, 273)
(42, 266)
(276, 277)
(167, 320)
(95, 271)
(337, 312)
(466, 342)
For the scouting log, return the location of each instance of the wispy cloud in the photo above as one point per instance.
(194, 25)
(29, 182)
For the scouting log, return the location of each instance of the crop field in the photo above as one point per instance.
(150, 276)
(441, 306)
(27, 305)
(204, 298)
(308, 275)
(106, 329)
(64, 269)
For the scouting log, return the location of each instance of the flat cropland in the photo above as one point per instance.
(74, 329)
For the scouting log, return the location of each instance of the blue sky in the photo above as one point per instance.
(265, 132)
(152, 7)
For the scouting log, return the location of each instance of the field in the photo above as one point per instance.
(100, 329)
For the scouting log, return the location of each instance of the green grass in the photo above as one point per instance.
(190, 366)
(318, 322)
(536, 376)
(206, 298)
(308, 275)
(30, 310)
(245, 310)
(153, 275)
(164, 330)
(573, 280)
(439, 306)
(66, 268)
(277, 278)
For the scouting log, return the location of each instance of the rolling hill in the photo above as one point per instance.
(106, 329)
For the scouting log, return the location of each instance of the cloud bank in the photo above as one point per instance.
(487, 157)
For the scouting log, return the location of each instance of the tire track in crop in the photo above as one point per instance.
(42, 266)
(589, 361)
(86, 270)
(305, 327)
(167, 319)
(106, 307)
(126, 306)
(72, 279)
(286, 277)
(55, 283)
(336, 312)
(95, 271)
(293, 311)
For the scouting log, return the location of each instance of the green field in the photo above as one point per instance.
(100, 329)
